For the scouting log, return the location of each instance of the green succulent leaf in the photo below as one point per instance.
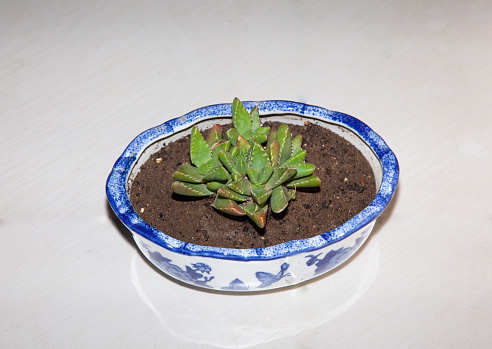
(243, 145)
(255, 119)
(219, 146)
(265, 174)
(305, 182)
(227, 161)
(252, 175)
(228, 206)
(292, 193)
(236, 177)
(260, 195)
(258, 138)
(200, 151)
(260, 135)
(274, 153)
(246, 134)
(261, 138)
(241, 186)
(240, 117)
(214, 186)
(190, 189)
(232, 134)
(231, 194)
(216, 174)
(206, 166)
(272, 136)
(256, 213)
(214, 135)
(296, 159)
(296, 151)
(303, 170)
(296, 143)
(233, 153)
(188, 173)
(241, 164)
(264, 130)
(279, 176)
(280, 199)
(259, 157)
(284, 139)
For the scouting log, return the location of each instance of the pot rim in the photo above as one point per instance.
(116, 186)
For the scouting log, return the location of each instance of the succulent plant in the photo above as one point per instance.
(243, 174)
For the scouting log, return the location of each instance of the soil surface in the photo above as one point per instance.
(347, 187)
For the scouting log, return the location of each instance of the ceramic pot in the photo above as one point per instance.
(255, 269)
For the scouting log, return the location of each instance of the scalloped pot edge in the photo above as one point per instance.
(263, 268)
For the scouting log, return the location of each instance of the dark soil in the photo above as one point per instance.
(347, 187)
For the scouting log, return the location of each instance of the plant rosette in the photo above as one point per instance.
(254, 269)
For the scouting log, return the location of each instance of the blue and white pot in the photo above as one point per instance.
(260, 268)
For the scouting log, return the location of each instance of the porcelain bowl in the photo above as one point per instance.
(228, 269)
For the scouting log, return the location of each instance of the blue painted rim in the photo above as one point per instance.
(120, 202)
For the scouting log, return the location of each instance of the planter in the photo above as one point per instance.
(256, 268)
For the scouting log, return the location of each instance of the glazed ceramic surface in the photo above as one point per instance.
(262, 268)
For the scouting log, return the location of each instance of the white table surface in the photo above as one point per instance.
(78, 80)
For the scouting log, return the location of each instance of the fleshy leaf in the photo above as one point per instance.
(255, 213)
(206, 166)
(303, 170)
(240, 116)
(260, 195)
(218, 146)
(233, 153)
(243, 145)
(305, 182)
(284, 139)
(242, 186)
(232, 134)
(280, 199)
(214, 135)
(259, 157)
(188, 173)
(190, 189)
(199, 149)
(271, 138)
(265, 174)
(241, 164)
(262, 130)
(296, 159)
(279, 176)
(260, 135)
(296, 151)
(236, 177)
(226, 160)
(214, 186)
(296, 143)
(231, 194)
(252, 175)
(217, 173)
(246, 134)
(261, 138)
(228, 206)
(274, 153)
(255, 119)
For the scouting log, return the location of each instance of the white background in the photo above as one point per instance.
(79, 80)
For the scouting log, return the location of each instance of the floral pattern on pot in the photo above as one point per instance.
(262, 268)
(334, 257)
(213, 273)
(194, 274)
(267, 279)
